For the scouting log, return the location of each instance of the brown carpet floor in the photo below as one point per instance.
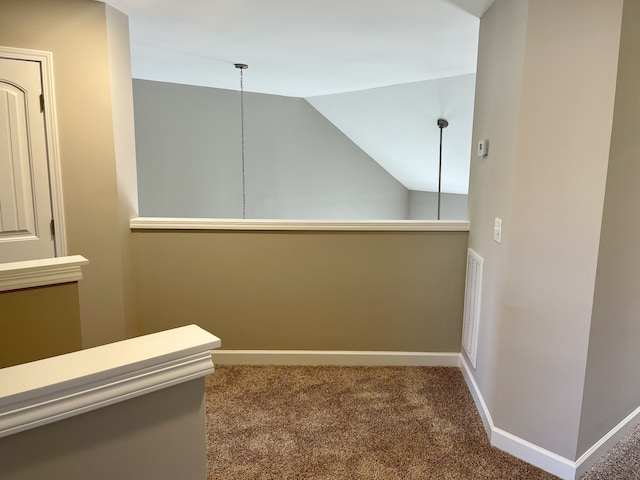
(388, 423)
(622, 462)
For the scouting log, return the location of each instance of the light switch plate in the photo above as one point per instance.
(497, 230)
(483, 148)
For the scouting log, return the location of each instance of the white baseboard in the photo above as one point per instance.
(516, 446)
(602, 446)
(335, 357)
(538, 456)
(483, 410)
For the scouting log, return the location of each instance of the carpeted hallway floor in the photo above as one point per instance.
(387, 423)
(622, 462)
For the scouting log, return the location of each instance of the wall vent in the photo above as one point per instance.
(472, 294)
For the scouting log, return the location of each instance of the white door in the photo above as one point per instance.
(25, 200)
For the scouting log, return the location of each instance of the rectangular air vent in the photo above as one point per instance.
(472, 294)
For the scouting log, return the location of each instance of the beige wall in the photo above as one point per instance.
(537, 305)
(160, 435)
(497, 108)
(612, 390)
(76, 32)
(303, 290)
(125, 151)
(39, 323)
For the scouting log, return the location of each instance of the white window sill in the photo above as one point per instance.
(157, 223)
(45, 391)
(37, 273)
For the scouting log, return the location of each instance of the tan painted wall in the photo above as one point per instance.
(304, 290)
(125, 151)
(76, 32)
(534, 344)
(38, 323)
(612, 390)
(157, 436)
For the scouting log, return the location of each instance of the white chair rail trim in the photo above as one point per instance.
(157, 223)
(45, 391)
(37, 273)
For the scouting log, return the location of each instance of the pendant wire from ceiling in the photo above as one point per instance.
(242, 67)
(442, 124)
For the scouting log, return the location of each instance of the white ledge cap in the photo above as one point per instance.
(157, 223)
(44, 391)
(37, 273)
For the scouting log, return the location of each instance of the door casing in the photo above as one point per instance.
(51, 128)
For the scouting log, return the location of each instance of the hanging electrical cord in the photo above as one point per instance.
(241, 67)
(442, 124)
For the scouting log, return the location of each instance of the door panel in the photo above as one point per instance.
(25, 199)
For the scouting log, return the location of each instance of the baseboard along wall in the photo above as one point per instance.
(335, 357)
(536, 455)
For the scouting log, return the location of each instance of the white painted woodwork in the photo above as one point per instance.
(158, 223)
(25, 198)
(336, 357)
(472, 297)
(38, 273)
(47, 171)
(16, 208)
(37, 393)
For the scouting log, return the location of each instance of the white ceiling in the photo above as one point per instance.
(311, 48)
(391, 125)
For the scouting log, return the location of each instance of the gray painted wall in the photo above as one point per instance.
(160, 435)
(539, 282)
(298, 165)
(612, 390)
(424, 206)
(497, 107)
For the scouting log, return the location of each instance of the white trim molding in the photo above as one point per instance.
(516, 446)
(45, 391)
(38, 273)
(538, 456)
(157, 223)
(51, 124)
(336, 357)
(602, 446)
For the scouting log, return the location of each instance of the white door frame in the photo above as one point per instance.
(51, 126)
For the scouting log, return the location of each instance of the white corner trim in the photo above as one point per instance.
(37, 273)
(523, 449)
(45, 391)
(335, 357)
(157, 223)
(603, 445)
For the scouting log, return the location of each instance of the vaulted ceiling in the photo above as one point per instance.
(396, 66)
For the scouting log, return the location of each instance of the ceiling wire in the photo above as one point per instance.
(442, 124)
(242, 67)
